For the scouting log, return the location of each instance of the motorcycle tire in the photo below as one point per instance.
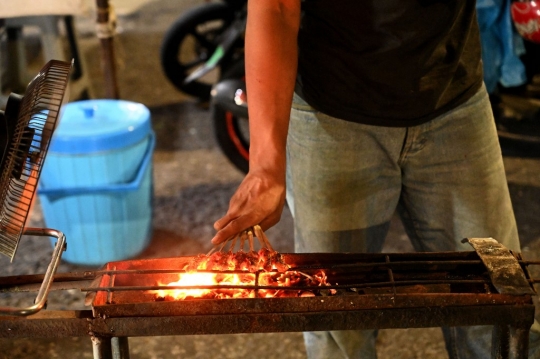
(202, 25)
(232, 132)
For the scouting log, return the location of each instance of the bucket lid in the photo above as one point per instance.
(100, 125)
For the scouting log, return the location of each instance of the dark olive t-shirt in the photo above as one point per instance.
(388, 62)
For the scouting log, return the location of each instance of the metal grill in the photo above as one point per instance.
(373, 291)
(127, 288)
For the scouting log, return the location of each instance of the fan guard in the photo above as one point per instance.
(29, 122)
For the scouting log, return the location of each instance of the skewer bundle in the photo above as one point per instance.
(225, 256)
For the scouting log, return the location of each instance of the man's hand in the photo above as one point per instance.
(258, 200)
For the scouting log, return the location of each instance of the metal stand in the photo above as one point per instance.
(110, 348)
(510, 309)
(510, 342)
(105, 32)
(511, 317)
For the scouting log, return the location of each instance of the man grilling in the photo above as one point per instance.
(359, 108)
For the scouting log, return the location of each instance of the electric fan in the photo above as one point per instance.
(26, 128)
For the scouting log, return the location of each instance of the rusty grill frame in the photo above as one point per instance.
(425, 273)
(110, 323)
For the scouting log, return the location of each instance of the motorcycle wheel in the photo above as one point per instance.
(190, 41)
(232, 132)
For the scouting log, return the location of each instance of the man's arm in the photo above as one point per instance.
(271, 62)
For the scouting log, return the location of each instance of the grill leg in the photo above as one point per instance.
(101, 348)
(120, 348)
(510, 342)
(519, 343)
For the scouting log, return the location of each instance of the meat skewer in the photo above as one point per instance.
(266, 259)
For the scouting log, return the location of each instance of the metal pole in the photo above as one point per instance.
(510, 342)
(500, 342)
(519, 343)
(101, 347)
(105, 32)
(120, 348)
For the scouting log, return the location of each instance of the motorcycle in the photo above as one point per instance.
(205, 47)
(203, 39)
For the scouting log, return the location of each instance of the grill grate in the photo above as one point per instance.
(126, 288)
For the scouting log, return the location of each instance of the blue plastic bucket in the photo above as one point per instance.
(96, 185)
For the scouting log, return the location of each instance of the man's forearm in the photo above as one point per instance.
(271, 62)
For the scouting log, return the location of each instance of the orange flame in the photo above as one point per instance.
(209, 279)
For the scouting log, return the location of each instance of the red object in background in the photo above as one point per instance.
(526, 17)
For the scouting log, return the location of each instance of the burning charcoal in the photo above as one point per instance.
(296, 280)
(327, 292)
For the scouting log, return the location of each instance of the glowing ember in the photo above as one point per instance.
(273, 272)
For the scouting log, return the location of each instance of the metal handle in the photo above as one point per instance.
(41, 298)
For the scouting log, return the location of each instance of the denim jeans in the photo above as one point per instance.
(445, 178)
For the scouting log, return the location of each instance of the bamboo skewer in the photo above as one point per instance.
(260, 233)
(231, 249)
(242, 241)
(248, 236)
